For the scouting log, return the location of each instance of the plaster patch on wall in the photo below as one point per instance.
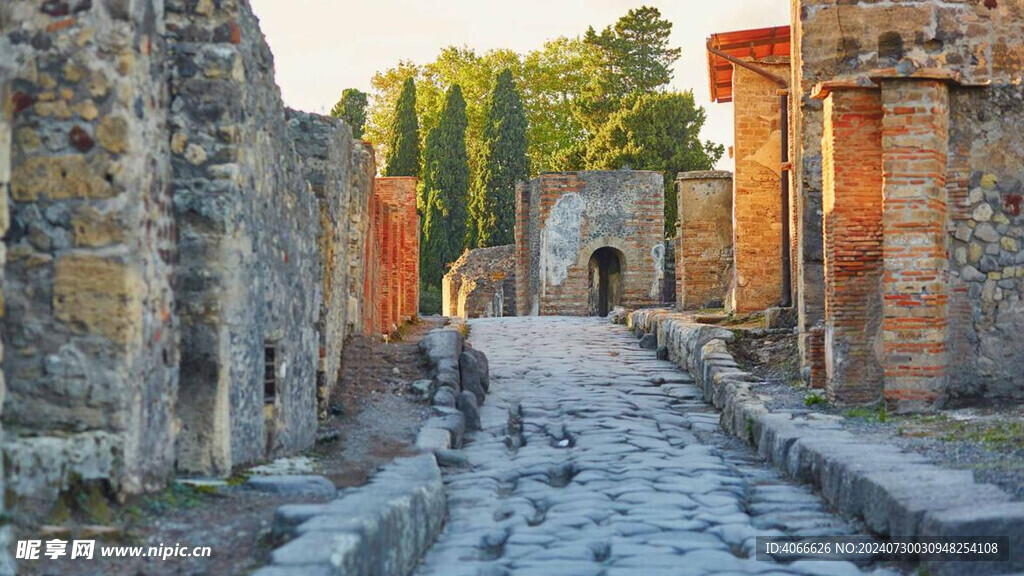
(560, 240)
(658, 255)
(769, 154)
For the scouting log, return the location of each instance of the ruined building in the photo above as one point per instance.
(920, 115)
(184, 256)
(878, 188)
(587, 242)
(481, 284)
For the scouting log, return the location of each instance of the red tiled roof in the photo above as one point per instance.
(757, 43)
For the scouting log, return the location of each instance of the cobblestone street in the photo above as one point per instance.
(619, 468)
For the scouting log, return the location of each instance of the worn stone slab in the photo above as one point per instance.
(293, 485)
(382, 527)
(430, 439)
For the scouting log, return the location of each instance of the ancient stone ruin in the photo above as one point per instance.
(481, 284)
(587, 242)
(184, 256)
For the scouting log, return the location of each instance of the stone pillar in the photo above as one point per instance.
(915, 288)
(704, 254)
(852, 202)
(757, 202)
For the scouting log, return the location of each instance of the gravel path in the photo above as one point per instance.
(606, 473)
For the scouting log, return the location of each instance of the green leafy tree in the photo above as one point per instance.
(504, 163)
(657, 132)
(446, 185)
(351, 109)
(632, 57)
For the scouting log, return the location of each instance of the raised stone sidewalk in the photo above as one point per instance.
(384, 527)
(897, 494)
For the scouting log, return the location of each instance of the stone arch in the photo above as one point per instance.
(605, 269)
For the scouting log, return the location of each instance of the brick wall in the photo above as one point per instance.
(852, 202)
(397, 253)
(704, 252)
(523, 262)
(757, 203)
(572, 215)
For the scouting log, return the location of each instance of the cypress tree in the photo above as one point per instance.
(504, 163)
(351, 108)
(404, 155)
(446, 187)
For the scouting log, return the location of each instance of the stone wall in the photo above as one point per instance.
(986, 241)
(325, 145)
(6, 566)
(184, 257)
(89, 326)
(481, 284)
(704, 253)
(574, 214)
(757, 200)
(362, 169)
(944, 81)
(245, 212)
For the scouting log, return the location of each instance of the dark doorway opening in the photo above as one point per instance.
(605, 281)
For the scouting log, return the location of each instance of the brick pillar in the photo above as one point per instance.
(395, 262)
(704, 254)
(852, 202)
(915, 145)
(522, 254)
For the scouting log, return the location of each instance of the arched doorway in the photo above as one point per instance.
(605, 272)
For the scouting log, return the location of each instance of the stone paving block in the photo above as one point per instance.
(293, 485)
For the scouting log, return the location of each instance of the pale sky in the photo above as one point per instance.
(324, 46)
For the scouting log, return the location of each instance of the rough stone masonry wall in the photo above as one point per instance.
(362, 168)
(6, 566)
(249, 275)
(986, 241)
(481, 284)
(325, 145)
(704, 254)
(757, 201)
(573, 214)
(89, 326)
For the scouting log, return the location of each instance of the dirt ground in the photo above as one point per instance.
(372, 419)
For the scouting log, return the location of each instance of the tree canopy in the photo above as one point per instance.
(577, 94)
(351, 109)
(657, 132)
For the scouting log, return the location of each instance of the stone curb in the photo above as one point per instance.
(382, 527)
(897, 494)
(386, 526)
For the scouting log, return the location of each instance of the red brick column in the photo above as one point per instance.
(852, 204)
(522, 254)
(916, 297)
